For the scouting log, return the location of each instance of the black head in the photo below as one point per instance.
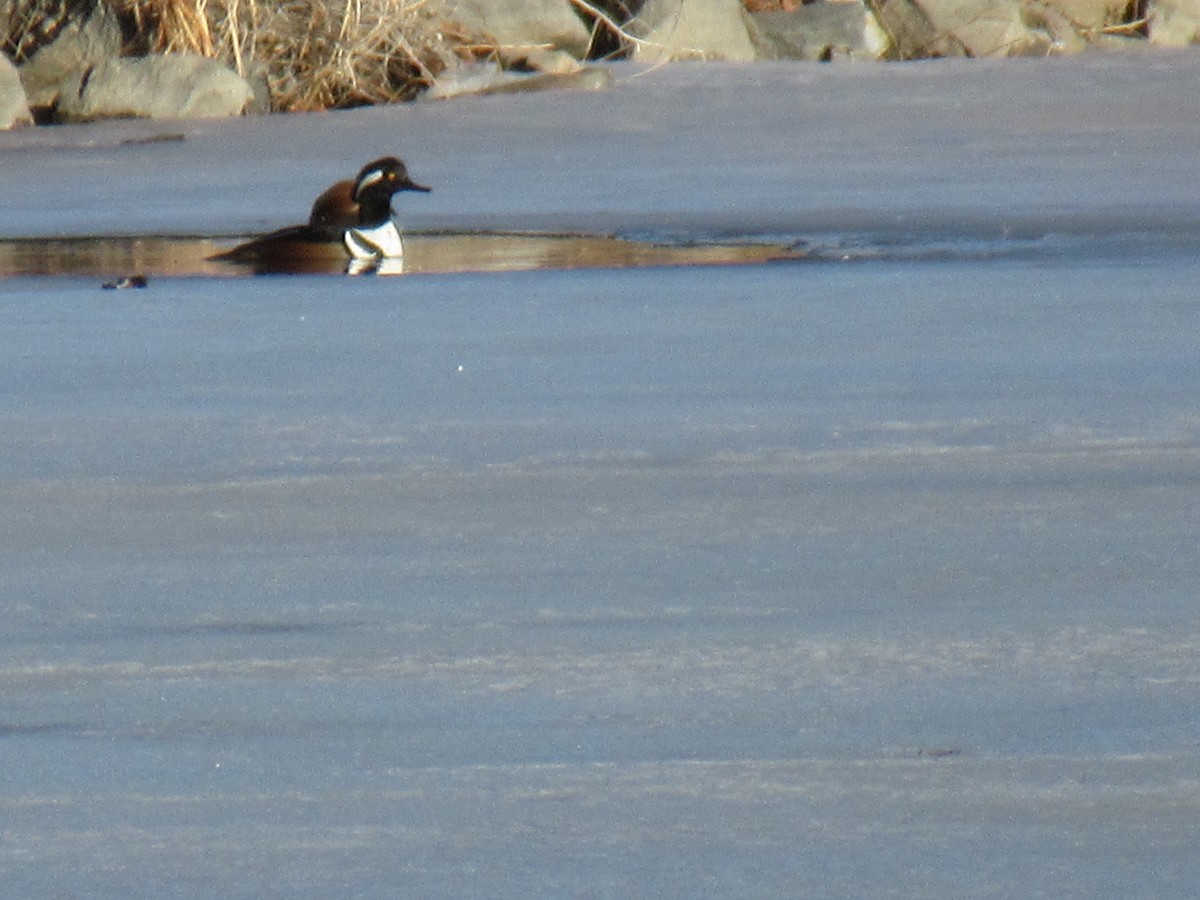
(385, 176)
(375, 185)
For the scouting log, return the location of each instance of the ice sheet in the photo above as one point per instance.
(828, 578)
(948, 148)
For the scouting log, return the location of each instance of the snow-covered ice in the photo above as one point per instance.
(863, 577)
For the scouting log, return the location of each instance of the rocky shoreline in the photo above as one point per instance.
(68, 62)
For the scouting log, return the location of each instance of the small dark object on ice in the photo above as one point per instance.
(161, 138)
(127, 281)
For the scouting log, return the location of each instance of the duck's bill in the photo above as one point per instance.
(413, 186)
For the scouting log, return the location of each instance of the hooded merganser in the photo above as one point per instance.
(350, 224)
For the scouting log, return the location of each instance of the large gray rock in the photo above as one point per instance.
(911, 34)
(819, 31)
(14, 107)
(84, 35)
(515, 24)
(925, 28)
(1065, 35)
(1174, 23)
(692, 29)
(1091, 15)
(987, 27)
(172, 86)
(490, 78)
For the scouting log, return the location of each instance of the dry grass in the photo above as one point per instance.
(315, 54)
(170, 25)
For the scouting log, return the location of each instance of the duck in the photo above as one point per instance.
(350, 226)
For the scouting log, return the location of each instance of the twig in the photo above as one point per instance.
(1126, 27)
(611, 23)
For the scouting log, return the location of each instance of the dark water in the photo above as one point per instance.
(153, 256)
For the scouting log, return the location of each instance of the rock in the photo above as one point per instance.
(986, 27)
(911, 34)
(1174, 23)
(1118, 43)
(171, 86)
(692, 29)
(63, 46)
(257, 76)
(924, 28)
(14, 107)
(489, 78)
(1061, 32)
(819, 31)
(539, 59)
(515, 24)
(1091, 15)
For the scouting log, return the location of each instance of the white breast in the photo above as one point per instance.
(374, 243)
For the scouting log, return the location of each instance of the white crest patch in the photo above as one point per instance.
(372, 177)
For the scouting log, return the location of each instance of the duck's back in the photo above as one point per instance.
(334, 212)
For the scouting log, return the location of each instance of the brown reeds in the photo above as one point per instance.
(169, 26)
(314, 54)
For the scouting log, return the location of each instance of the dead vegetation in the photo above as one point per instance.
(314, 54)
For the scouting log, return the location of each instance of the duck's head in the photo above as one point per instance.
(374, 187)
(385, 176)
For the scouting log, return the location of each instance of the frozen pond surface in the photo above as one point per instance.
(872, 577)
